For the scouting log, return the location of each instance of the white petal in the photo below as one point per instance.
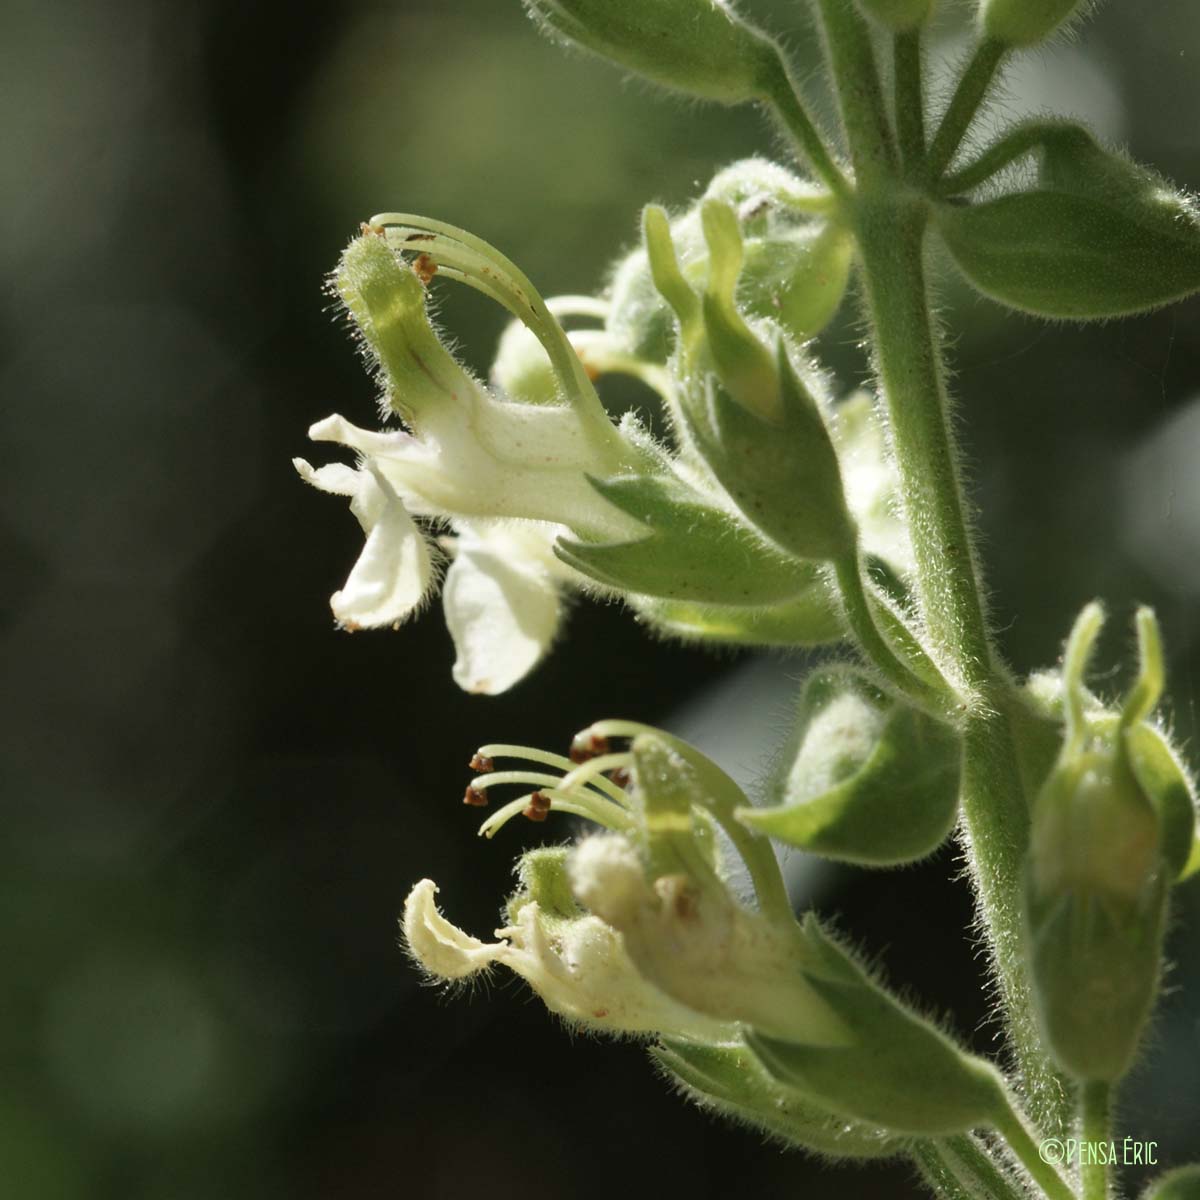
(336, 478)
(394, 572)
(441, 948)
(502, 612)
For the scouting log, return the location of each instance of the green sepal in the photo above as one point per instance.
(901, 1073)
(809, 618)
(729, 1080)
(783, 475)
(1165, 782)
(1025, 22)
(1099, 236)
(897, 15)
(866, 780)
(700, 47)
(542, 879)
(1180, 1184)
(1095, 961)
(692, 551)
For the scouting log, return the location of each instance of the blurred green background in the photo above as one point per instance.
(214, 803)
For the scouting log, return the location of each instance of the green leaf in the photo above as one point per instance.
(1099, 237)
(692, 551)
(867, 780)
(808, 619)
(730, 1080)
(901, 1073)
(700, 47)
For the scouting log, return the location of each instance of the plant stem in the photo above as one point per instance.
(1012, 1129)
(783, 98)
(891, 228)
(860, 93)
(964, 1168)
(996, 157)
(874, 644)
(1095, 1104)
(964, 104)
(909, 100)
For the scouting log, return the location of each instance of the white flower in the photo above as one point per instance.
(394, 572)
(577, 966)
(508, 477)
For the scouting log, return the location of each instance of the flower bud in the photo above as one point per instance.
(701, 47)
(898, 15)
(1098, 872)
(1026, 22)
(865, 779)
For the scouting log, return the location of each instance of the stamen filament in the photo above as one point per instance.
(580, 804)
(548, 759)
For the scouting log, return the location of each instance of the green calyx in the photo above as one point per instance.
(700, 47)
(1112, 825)
(1026, 22)
(866, 779)
(1097, 237)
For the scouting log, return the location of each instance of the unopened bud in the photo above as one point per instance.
(1026, 22)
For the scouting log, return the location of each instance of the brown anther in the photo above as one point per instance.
(538, 808)
(369, 230)
(425, 268)
(482, 764)
(420, 237)
(475, 797)
(588, 746)
(620, 777)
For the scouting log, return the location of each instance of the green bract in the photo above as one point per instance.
(865, 779)
(692, 549)
(1098, 236)
(1026, 22)
(701, 47)
(810, 618)
(898, 1072)
(730, 1080)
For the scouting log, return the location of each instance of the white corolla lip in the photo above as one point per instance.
(394, 572)
(502, 607)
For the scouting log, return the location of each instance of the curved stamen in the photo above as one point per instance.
(547, 759)
(578, 803)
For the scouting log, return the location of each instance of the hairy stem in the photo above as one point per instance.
(783, 98)
(999, 155)
(1020, 1142)
(875, 646)
(860, 93)
(909, 100)
(1095, 1105)
(964, 104)
(891, 228)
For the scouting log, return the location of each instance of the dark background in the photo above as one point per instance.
(214, 803)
